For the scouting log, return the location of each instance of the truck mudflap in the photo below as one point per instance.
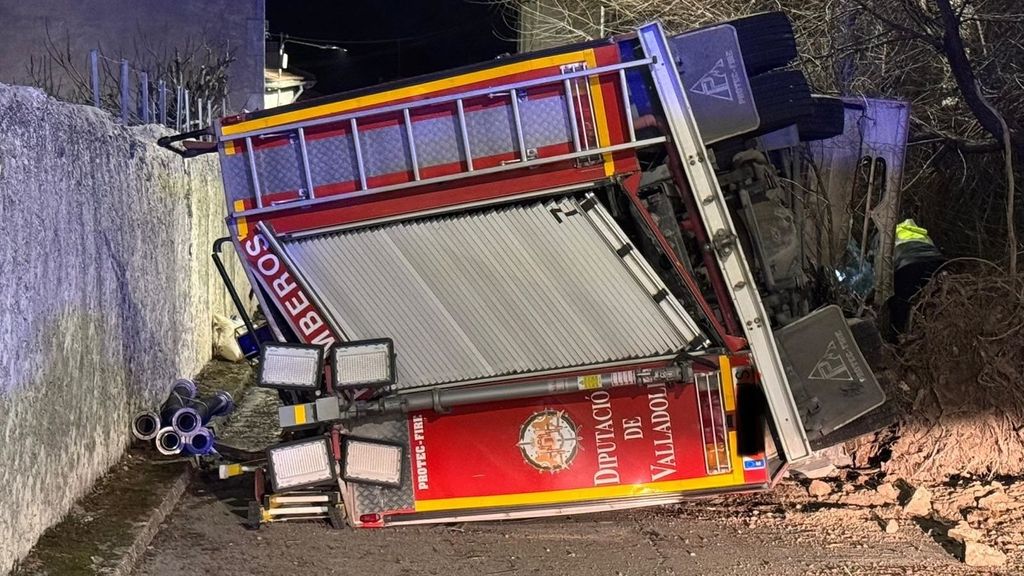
(831, 381)
(592, 450)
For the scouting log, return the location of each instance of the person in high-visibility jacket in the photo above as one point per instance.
(908, 231)
(915, 260)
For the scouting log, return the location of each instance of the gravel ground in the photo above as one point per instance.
(783, 533)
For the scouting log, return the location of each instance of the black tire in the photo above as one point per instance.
(254, 519)
(868, 338)
(827, 119)
(766, 41)
(751, 419)
(782, 98)
(726, 149)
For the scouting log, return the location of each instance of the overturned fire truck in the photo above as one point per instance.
(546, 284)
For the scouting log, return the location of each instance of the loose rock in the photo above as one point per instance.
(866, 498)
(919, 503)
(963, 532)
(892, 527)
(982, 555)
(888, 492)
(996, 500)
(817, 488)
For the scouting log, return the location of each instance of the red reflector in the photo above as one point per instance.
(369, 518)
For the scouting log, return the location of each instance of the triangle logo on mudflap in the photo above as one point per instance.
(715, 83)
(831, 366)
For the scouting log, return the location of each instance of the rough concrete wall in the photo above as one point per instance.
(106, 295)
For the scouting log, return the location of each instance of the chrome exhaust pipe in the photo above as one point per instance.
(146, 425)
(169, 442)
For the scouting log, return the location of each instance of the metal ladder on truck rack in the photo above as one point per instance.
(575, 90)
(715, 214)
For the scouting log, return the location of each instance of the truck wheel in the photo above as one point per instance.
(782, 98)
(827, 119)
(751, 419)
(727, 149)
(766, 41)
(254, 518)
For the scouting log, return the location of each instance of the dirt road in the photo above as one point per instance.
(765, 535)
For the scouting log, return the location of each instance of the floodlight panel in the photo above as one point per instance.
(301, 464)
(373, 462)
(291, 366)
(363, 364)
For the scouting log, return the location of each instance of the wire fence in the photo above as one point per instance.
(146, 97)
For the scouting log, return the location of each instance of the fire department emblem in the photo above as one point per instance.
(549, 440)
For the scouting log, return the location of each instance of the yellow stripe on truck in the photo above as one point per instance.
(410, 91)
(728, 386)
(243, 226)
(729, 403)
(601, 120)
(588, 494)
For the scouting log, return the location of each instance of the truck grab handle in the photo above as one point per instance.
(190, 147)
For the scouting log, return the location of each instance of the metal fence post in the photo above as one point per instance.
(209, 111)
(144, 100)
(94, 75)
(125, 95)
(161, 98)
(177, 108)
(188, 113)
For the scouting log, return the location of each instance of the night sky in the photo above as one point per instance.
(385, 39)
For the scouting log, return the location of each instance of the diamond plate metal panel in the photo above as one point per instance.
(438, 140)
(371, 499)
(234, 171)
(385, 150)
(490, 131)
(504, 291)
(280, 168)
(332, 160)
(545, 121)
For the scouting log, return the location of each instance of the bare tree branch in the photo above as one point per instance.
(960, 65)
(910, 33)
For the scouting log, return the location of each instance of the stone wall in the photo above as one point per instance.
(106, 295)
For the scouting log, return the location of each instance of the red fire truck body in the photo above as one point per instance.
(555, 349)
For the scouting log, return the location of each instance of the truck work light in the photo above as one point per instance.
(302, 463)
(364, 364)
(291, 366)
(372, 462)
